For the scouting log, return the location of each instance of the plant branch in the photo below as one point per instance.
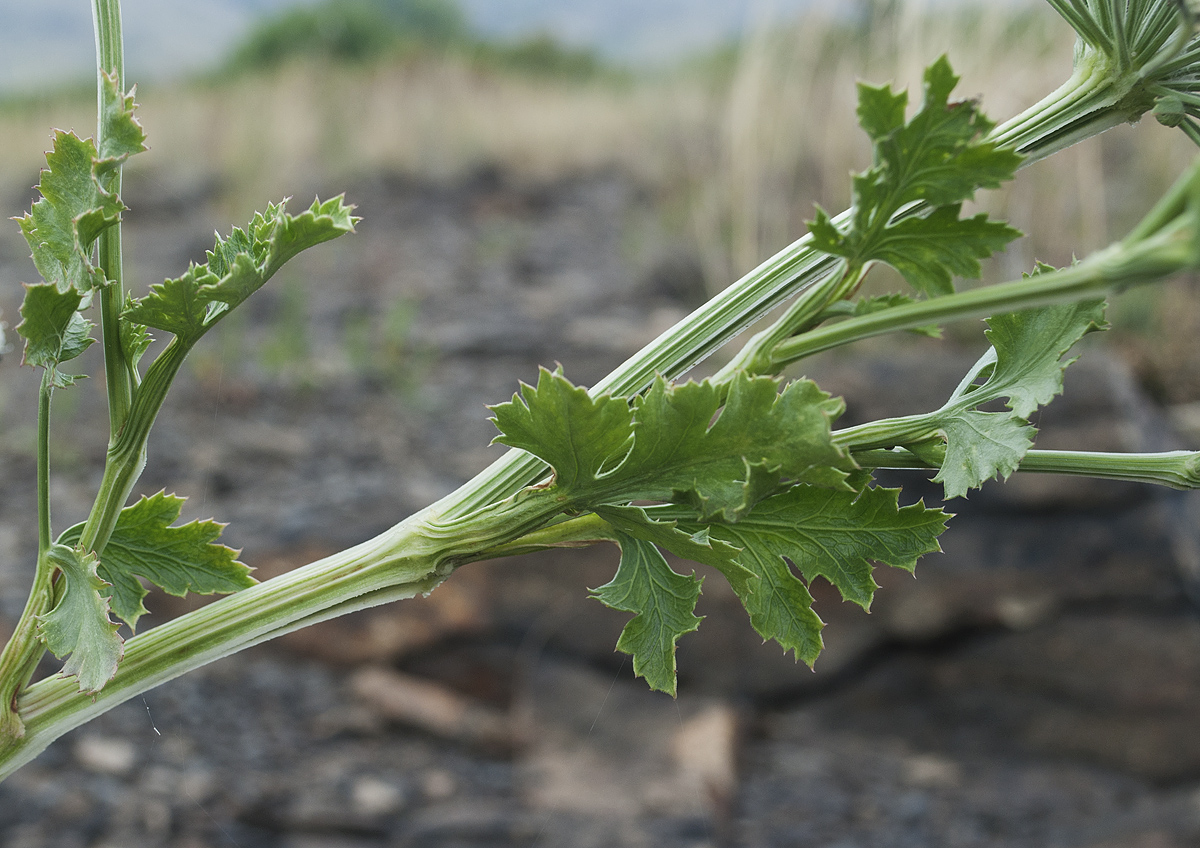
(1174, 469)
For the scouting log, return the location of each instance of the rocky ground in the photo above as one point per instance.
(1037, 685)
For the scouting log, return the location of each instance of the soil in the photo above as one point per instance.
(1037, 685)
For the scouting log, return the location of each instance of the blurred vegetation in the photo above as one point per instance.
(370, 30)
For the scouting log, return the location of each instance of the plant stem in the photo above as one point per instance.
(119, 373)
(1175, 469)
(411, 558)
(24, 650)
(1092, 100)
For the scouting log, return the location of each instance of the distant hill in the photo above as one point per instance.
(50, 41)
(636, 31)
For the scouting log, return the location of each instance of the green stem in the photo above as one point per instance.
(411, 558)
(1175, 469)
(24, 650)
(119, 373)
(127, 452)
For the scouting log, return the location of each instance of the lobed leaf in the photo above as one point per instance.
(1029, 349)
(53, 329)
(823, 533)
(237, 266)
(697, 546)
(579, 436)
(721, 449)
(176, 559)
(663, 605)
(1030, 346)
(981, 446)
(77, 202)
(937, 158)
(78, 628)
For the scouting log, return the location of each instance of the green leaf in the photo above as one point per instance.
(53, 329)
(77, 204)
(577, 435)
(121, 135)
(693, 443)
(176, 559)
(981, 446)
(1030, 346)
(937, 158)
(663, 604)
(79, 625)
(239, 265)
(697, 546)
(683, 450)
(1028, 350)
(929, 251)
(135, 339)
(823, 533)
(176, 306)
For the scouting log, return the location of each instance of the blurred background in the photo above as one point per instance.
(559, 182)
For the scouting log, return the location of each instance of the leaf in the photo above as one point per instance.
(239, 265)
(577, 435)
(1029, 348)
(929, 251)
(176, 559)
(721, 449)
(176, 306)
(79, 625)
(121, 134)
(682, 453)
(663, 604)
(824, 533)
(981, 446)
(76, 204)
(53, 329)
(697, 546)
(938, 158)
(135, 339)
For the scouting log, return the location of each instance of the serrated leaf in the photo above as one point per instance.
(981, 446)
(53, 329)
(682, 445)
(1026, 371)
(62, 226)
(176, 305)
(929, 251)
(135, 337)
(937, 158)
(823, 533)
(77, 202)
(176, 559)
(577, 435)
(1030, 346)
(682, 449)
(121, 135)
(78, 628)
(663, 605)
(697, 546)
(237, 266)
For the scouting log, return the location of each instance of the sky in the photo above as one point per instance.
(50, 41)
